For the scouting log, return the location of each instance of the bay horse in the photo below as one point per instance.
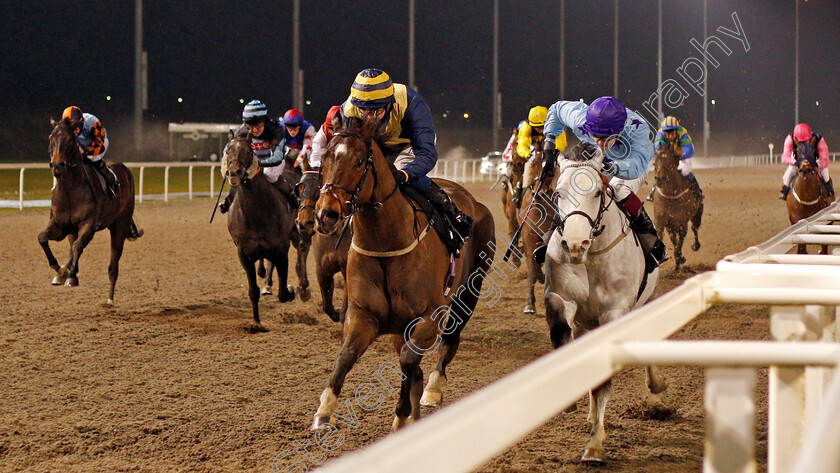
(538, 223)
(260, 220)
(79, 207)
(805, 197)
(676, 205)
(595, 271)
(329, 260)
(512, 190)
(397, 269)
(302, 242)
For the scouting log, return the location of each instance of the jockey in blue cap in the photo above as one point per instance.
(624, 138)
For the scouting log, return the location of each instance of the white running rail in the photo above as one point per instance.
(804, 292)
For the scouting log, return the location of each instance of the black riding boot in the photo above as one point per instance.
(517, 195)
(784, 193)
(109, 176)
(224, 206)
(542, 248)
(286, 189)
(695, 187)
(652, 246)
(829, 187)
(461, 222)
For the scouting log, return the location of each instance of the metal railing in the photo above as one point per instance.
(804, 295)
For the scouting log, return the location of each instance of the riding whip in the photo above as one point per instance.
(518, 233)
(217, 200)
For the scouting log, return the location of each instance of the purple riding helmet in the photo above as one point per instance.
(605, 116)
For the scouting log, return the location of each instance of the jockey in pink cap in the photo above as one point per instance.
(791, 155)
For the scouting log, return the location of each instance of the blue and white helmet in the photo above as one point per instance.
(254, 112)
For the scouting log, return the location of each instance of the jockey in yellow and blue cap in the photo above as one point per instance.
(672, 134)
(408, 136)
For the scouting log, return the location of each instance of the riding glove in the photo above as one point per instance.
(609, 169)
(400, 176)
(550, 155)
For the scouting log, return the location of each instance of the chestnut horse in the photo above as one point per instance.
(80, 208)
(512, 190)
(805, 197)
(260, 221)
(538, 224)
(676, 204)
(329, 260)
(397, 269)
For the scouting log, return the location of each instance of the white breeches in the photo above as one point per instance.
(102, 154)
(405, 158)
(685, 166)
(624, 187)
(791, 171)
(273, 173)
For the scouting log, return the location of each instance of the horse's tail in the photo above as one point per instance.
(133, 232)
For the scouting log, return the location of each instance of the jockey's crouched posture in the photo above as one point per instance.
(409, 136)
(267, 142)
(791, 156)
(93, 143)
(627, 152)
(672, 134)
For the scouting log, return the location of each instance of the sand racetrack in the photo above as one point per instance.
(168, 379)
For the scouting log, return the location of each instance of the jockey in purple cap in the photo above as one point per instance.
(624, 138)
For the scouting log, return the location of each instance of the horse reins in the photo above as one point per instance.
(602, 206)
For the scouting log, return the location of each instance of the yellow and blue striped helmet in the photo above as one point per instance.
(372, 89)
(670, 123)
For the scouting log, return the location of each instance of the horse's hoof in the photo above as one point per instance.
(58, 280)
(265, 291)
(529, 309)
(320, 422)
(695, 246)
(289, 296)
(109, 301)
(400, 423)
(431, 399)
(304, 293)
(71, 282)
(593, 456)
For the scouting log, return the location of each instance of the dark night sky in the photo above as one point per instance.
(212, 53)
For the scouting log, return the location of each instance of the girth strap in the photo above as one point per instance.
(390, 254)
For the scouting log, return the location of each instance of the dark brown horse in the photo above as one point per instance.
(259, 221)
(397, 269)
(512, 190)
(676, 204)
(329, 260)
(805, 198)
(538, 223)
(81, 208)
(302, 242)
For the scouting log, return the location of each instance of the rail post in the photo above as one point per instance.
(142, 175)
(190, 179)
(20, 191)
(730, 421)
(212, 179)
(166, 184)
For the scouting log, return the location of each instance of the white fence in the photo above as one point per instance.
(804, 292)
(464, 171)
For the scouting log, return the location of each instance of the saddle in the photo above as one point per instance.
(93, 177)
(439, 222)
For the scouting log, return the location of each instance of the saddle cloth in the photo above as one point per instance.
(440, 223)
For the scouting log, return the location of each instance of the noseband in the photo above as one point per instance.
(354, 206)
(597, 227)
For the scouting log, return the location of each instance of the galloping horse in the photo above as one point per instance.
(595, 270)
(259, 221)
(302, 245)
(81, 208)
(397, 269)
(538, 223)
(329, 260)
(512, 190)
(676, 204)
(805, 197)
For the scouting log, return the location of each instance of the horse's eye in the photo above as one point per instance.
(359, 163)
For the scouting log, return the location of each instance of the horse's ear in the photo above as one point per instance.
(230, 133)
(369, 129)
(53, 123)
(336, 122)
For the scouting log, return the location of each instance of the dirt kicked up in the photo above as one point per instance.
(169, 379)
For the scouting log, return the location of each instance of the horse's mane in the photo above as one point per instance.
(582, 151)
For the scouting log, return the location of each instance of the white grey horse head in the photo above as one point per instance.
(580, 200)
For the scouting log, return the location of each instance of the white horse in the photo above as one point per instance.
(594, 270)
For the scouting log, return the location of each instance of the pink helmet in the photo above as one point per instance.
(802, 132)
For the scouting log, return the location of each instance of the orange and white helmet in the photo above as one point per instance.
(74, 115)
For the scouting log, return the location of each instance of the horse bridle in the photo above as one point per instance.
(71, 163)
(244, 180)
(303, 206)
(368, 161)
(596, 227)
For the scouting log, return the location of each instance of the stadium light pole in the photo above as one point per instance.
(297, 86)
(615, 53)
(138, 74)
(659, 66)
(796, 74)
(705, 86)
(497, 112)
(562, 49)
(411, 45)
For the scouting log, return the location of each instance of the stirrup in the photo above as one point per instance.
(649, 198)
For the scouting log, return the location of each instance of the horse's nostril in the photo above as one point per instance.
(331, 215)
